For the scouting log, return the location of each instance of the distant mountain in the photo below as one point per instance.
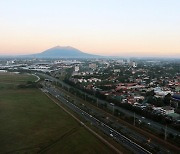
(63, 52)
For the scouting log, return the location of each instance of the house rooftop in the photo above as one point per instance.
(168, 108)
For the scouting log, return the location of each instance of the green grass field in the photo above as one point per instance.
(31, 123)
(11, 80)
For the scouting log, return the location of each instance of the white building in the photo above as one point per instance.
(3, 71)
(58, 62)
(167, 110)
(76, 68)
(120, 61)
(117, 70)
(159, 92)
(133, 64)
(10, 62)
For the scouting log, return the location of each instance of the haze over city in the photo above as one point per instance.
(90, 76)
(115, 28)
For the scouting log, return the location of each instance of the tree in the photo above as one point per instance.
(167, 99)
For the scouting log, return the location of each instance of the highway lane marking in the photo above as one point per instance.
(92, 131)
(156, 138)
(122, 136)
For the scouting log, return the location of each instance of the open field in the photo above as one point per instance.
(32, 123)
(11, 80)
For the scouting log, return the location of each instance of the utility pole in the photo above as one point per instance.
(113, 109)
(134, 119)
(97, 102)
(165, 133)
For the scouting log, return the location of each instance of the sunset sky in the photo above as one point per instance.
(106, 27)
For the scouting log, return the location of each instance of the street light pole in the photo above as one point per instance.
(134, 119)
(113, 109)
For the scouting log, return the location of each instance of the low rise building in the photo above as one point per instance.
(92, 66)
(167, 110)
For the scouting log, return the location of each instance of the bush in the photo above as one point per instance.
(30, 84)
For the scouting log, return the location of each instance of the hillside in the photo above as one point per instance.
(63, 52)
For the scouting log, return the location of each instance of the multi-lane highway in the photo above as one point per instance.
(99, 124)
(114, 124)
(152, 124)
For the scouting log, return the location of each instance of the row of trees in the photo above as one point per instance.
(158, 101)
(149, 98)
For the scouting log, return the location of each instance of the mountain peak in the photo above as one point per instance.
(63, 47)
(63, 52)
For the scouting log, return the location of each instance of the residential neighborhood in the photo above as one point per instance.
(150, 86)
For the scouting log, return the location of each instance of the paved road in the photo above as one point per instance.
(92, 131)
(139, 138)
(97, 123)
(38, 78)
(153, 125)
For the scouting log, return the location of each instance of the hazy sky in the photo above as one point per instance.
(108, 27)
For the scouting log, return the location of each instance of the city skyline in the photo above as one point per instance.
(115, 28)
